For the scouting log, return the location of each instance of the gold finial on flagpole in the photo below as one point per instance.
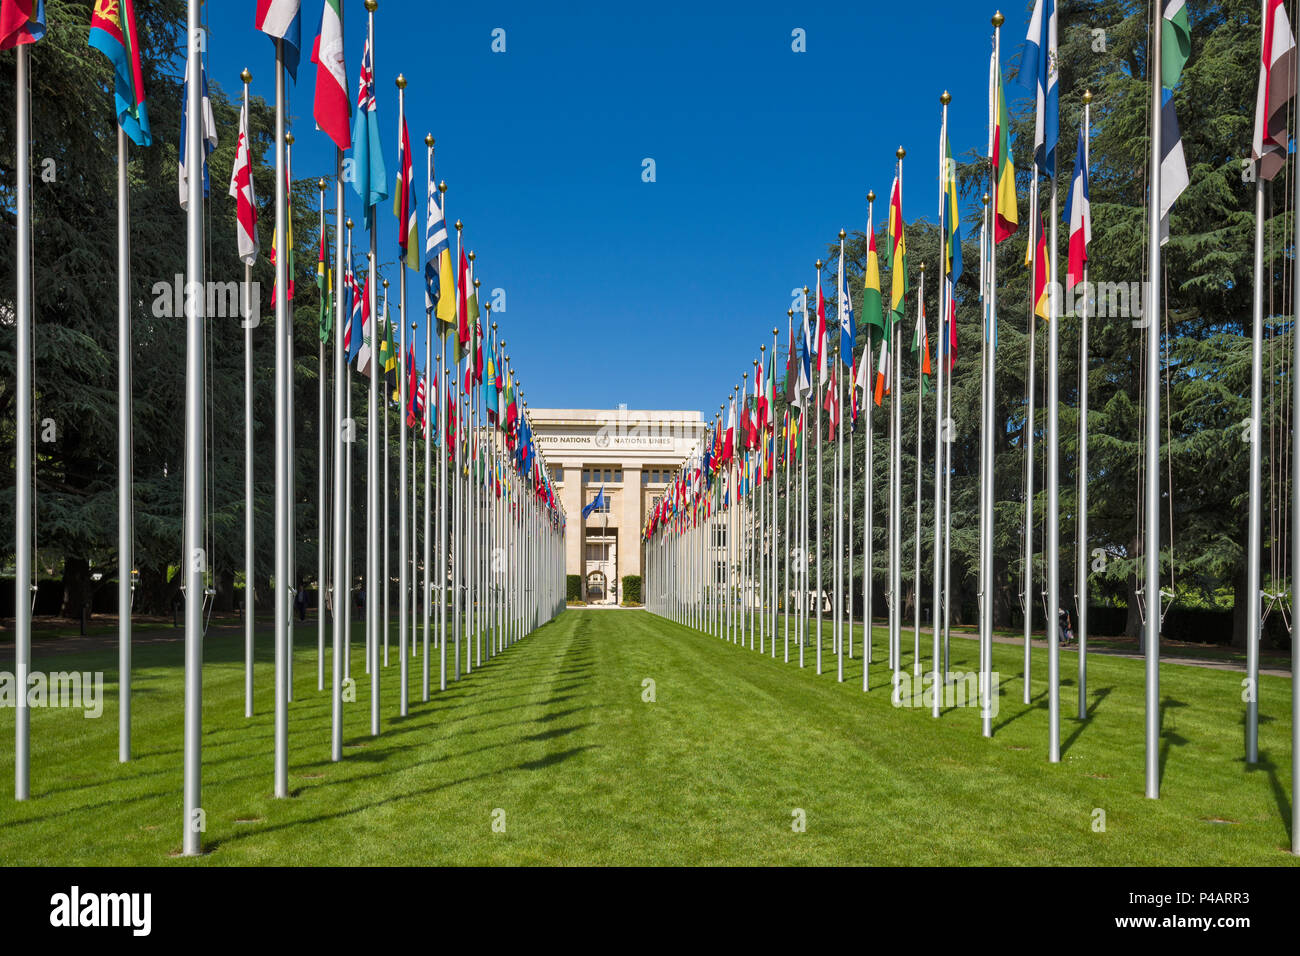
(288, 138)
(900, 152)
(841, 233)
(245, 76)
(442, 187)
(871, 195)
(986, 199)
(998, 19)
(428, 140)
(320, 184)
(945, 97)
(372, 6)
(819, 264)
(401, 81)
(471, 253)
(1087, 97)
(349, 222)
(459, 225)
(385, 283)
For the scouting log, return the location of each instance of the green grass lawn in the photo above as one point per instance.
(555, 733)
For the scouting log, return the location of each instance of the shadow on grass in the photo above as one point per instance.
(1080, 725)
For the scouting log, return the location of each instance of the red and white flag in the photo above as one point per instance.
(241, 188)
(330, 107)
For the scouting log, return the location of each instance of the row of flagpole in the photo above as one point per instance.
(501, 572)
(699, 574)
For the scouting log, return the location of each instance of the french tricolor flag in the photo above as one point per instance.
(1079, 213)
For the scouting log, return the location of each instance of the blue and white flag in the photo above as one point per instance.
(208, 135)
(1038, 72)
(1173, 164)
(847, 335)
(370, 178)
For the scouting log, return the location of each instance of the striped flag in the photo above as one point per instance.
(1078, 211)
(1276, 90)
(848, 333)
(112, 32)
(897, 252)
(241, 188)
(19, 24)
(330, 106)
(208, 135)
(1007, 218)
(1038, 72)
(408, 238)
(439, 286)
(822, 340)
(282, 20)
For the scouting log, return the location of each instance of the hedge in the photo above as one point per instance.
(573, 587)
(631, 589)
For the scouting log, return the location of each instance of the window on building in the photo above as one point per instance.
(618, 474)
(645, 477)
(586, 476)
(609, 475)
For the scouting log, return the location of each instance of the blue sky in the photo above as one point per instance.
(618, 290)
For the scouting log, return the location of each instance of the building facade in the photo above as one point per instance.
(631, 456)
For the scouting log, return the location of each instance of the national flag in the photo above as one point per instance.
(921, 339)
(791, 365)
(282, 20)
(873, 315)
(1036, 257)
(371, 179)
(883, 371)
(822, 339)
(848, 333)
(208, 135)
(770, 394)
(241, 188)
(950, 212)
(387, 361)
(392, 366)
(330, 107)
(19, 24)
(832, 409)
(1173, 164)
(475, 345)
(1038, 71)
(805, 359)
(760, 398)
(462, 312)
(324, 288)
(1007, 218)
(366, 352)
(1276, 90)
(112, 32)
(862, 382)
(1078, 212)
(490, 381)
(288, 196)
(729, 443)
(413, 409)
(899, 286)
(408, 236)
(1175, 42)
(439, 286)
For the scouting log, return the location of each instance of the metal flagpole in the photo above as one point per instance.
(283, 429)
(249, 573)
(986, 464)
(896, 486)
(458, 553)
(403, 505)
(1052, 545)
(1253, 617)
(342, 435)
(916, 548)
(837, 376)
(938, 587)
(1028, 593)
(322, 485)
(1151, 537)
(347, 497)
(1295, 537)
(1081, 560)
(195, 559)
(24, 587)
(125, 555)
(439, 385)
(758, 562)
(868, 478)
(817, 411)
(371, 603)
(776, 526)
(384, 538)
(804, 558)
(291, 435)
